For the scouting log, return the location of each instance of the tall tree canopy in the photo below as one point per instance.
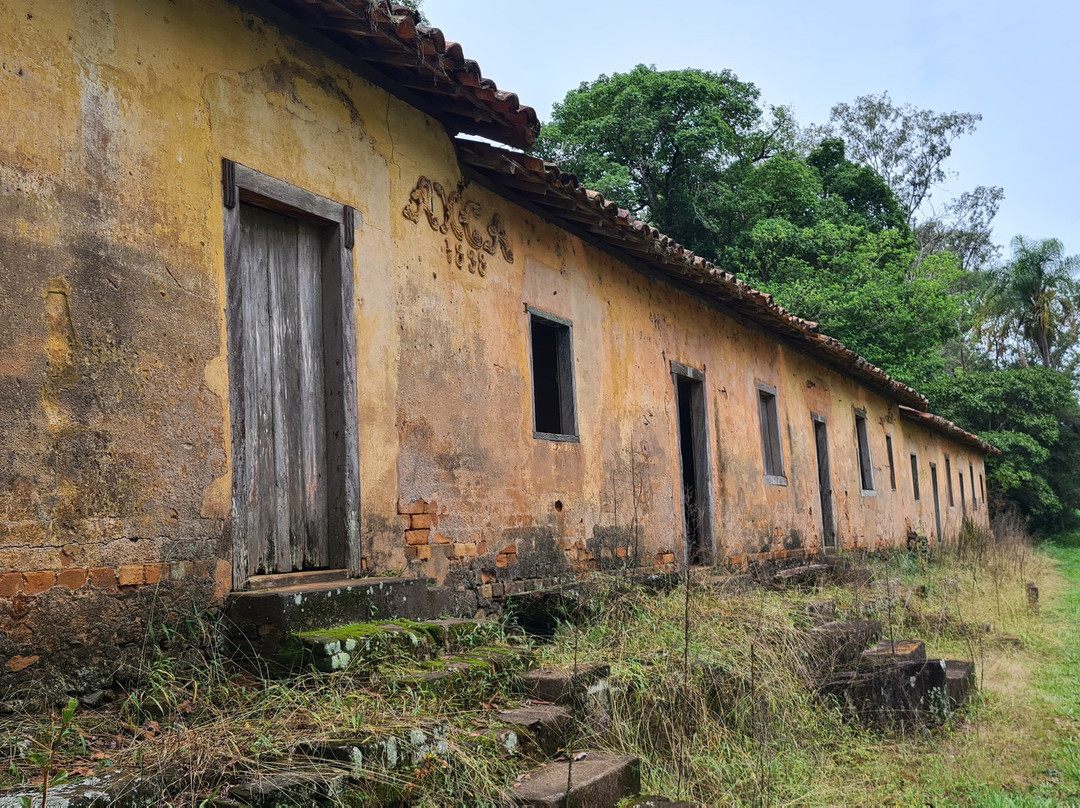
(658, 142)
(1032, 302)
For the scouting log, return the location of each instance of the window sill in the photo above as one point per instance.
(553, 436)
(775, 479)
(868, 492)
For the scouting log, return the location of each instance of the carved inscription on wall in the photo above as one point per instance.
(458, 219)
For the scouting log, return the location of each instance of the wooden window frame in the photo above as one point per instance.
(241, 184)
(566, 381)
(772, 446)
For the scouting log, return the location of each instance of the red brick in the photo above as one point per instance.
(502, 560)
(415, 537)
(463, 549)
(481, 547)
(431, 507)
(10, 584)
(439, 538)
(130, 575)
(72, 578)
(34, 583)
(152, 573)
(222, 579)
(423, 520)
(418, 552)
(417, 506)
(487, 576)
(103, 577)
(620, 552)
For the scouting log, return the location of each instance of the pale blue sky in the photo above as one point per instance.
(1016, 63)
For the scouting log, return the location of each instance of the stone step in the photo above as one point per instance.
(587, 687)
(478, 672)
(262, 619)
(541, 611)
(903, 693)
(541, 728)
(596, 781)
(804, 575)
(360, 645)
(258, 583)
(838, 645)
(959, 681)
(888, 652)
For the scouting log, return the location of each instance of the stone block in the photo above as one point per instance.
(959, 681)
(464, 549)
(543, 727)
(595, 779)
(34, 583)
(888, 652)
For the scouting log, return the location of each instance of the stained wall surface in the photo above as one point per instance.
(115, 439)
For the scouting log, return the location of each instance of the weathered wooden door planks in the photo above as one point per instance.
(286, 524)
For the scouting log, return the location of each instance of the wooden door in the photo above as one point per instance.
(828, 522)
(284, 398)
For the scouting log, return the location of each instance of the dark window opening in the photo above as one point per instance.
(971, 477)
(963, 502)
(892, 468)
(862, 445)
(915, 476)
(982, 489)
(690, 397)
(553, 379)
(937, 501)
(948, 481)
(828, 522)
(769, 415)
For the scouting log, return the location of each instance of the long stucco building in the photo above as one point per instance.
(264, 308)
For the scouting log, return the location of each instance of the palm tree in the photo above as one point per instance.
(1033, 300)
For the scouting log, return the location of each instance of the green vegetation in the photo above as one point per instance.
(839, 224)
(715, 692)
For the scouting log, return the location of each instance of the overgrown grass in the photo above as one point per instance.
(741, 724)
(715, 692)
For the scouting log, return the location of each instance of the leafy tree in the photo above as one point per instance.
(1032, 300)
(658, 143)
(908, 148)
(1032, 415)
(828, 239)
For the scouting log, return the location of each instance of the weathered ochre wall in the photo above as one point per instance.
(114, 432)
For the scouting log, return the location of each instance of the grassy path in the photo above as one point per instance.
(1057, 691)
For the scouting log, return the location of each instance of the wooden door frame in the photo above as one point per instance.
(242, 184)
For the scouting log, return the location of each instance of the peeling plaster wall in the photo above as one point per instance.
(114, 425)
